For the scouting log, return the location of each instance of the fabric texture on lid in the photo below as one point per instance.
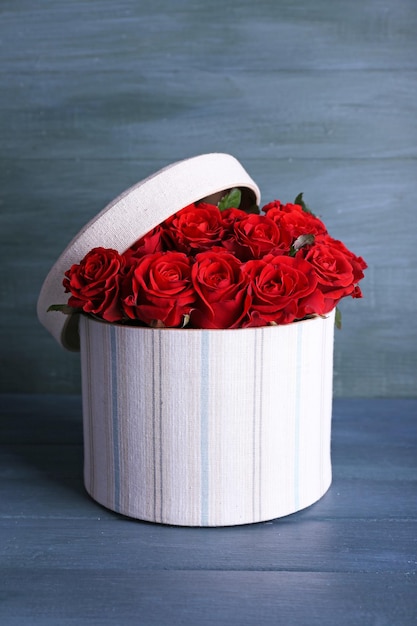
(131, 215)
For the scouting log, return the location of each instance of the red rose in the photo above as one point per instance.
(254, 236)
(292, 219)
(358, 264)
(338, 270)
(148, 244)
(194, 229)
(232, 215)
(221, 286)
(94, 284)
(279, 288)
(158, 288)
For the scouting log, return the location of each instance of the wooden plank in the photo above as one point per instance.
(320, 114)
(40, 419)
(279, 34)
(295, 543)
(240, 598)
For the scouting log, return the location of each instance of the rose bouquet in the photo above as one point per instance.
(218, 266)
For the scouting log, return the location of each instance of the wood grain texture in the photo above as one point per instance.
(349, 559)
(210, 598)
(314, 97)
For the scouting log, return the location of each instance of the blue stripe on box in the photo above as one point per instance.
(115, 418)
(204, 427)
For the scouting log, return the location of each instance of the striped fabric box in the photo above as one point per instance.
(207, 427)
(195, 427)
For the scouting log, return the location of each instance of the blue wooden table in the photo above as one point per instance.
(349, 559)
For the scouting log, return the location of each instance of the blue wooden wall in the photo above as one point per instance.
(319, 97)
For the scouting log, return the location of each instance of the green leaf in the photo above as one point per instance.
(254, 209)
(299, 200)
(338, 319)
(63, 308)
(231, 200)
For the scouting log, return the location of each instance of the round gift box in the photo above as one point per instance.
(207, 427)
(195, 427)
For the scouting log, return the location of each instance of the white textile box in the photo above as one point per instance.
(195, 427)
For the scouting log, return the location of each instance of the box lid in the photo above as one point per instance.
(134, 213)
